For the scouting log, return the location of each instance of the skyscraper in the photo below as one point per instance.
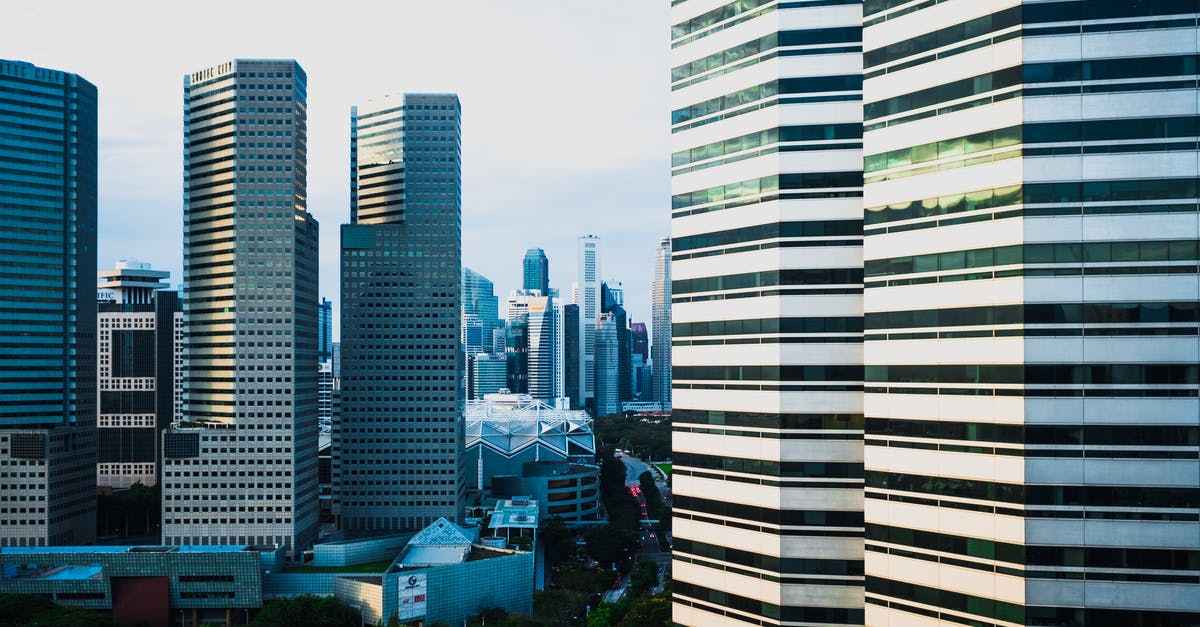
(766, 306)
(612, 300)
(588, 299)
(479, 299)
(400, 437)
(47, 306)
(608, 374)
(537, 271)
(136, 372)
(533, 314)
(570, 352)
(1031, 308)
(325, 331)
(239, 466)
(660, 323)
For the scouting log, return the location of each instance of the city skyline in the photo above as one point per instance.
(611, 178)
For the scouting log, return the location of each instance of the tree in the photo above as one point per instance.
(648, 611)
(644, 578)
(35, 611)
(306, 610)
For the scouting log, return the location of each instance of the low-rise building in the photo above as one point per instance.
(145, 585)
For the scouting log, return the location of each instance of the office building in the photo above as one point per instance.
(531, 321)
(571, 361)
(47, 306)
(660, 323)
(488, 374)
(400, 435)
(473, 335)
(136, 370)
(608, 370)
(239, 464)
(766, 306)
(1031, 308)
(325, 331)
(480, 300)
(612, 301)
(516, 346)
(587, 296)
(536, 271)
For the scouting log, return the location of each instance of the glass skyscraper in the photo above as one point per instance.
(325, 331)
(536, 271)
(400, 437)
(239, 466)
(47, 306)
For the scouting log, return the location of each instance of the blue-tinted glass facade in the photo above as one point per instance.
(400, 437)
(47, 305)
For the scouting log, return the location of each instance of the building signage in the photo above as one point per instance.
(412, 597)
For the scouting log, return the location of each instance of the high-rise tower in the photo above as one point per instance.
(588, 299)
(766, 273)
(400, 437)
(137, 370)
(239, 466)
(325, 331)
(47, 306)
(660, 323)
(1031, 350)
(536, 269)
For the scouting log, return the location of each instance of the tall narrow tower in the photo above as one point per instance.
(660, 322)
(47, 306)
(588, 299)
(766, 295)
(240, 466)
(400, 436)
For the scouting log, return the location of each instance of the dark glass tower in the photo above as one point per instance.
(47, 306)
(400, 436)
(325, 331)
(537, 271)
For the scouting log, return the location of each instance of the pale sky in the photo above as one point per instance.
(565, 114)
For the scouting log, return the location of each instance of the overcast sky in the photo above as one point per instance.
(565, 114)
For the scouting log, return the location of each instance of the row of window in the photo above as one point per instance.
(814, 84)
(1070, 435)
(806, 276)
(946, 543)
(768, 421)
(1049, 72)
(768, 373)
(818, 36)
(1033, 374)
(813, 228)
(1047, 132)
(946, 599)
(773, 468)
(768, 325)
(784, 565)
(808, 133)
(1175, 497)
(1038, 313)
(770, 516)
(793, 613)
(1059, 252)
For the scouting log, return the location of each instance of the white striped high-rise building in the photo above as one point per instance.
(239, 465)
(1032, 420)
(766, 307)
(586, 294)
